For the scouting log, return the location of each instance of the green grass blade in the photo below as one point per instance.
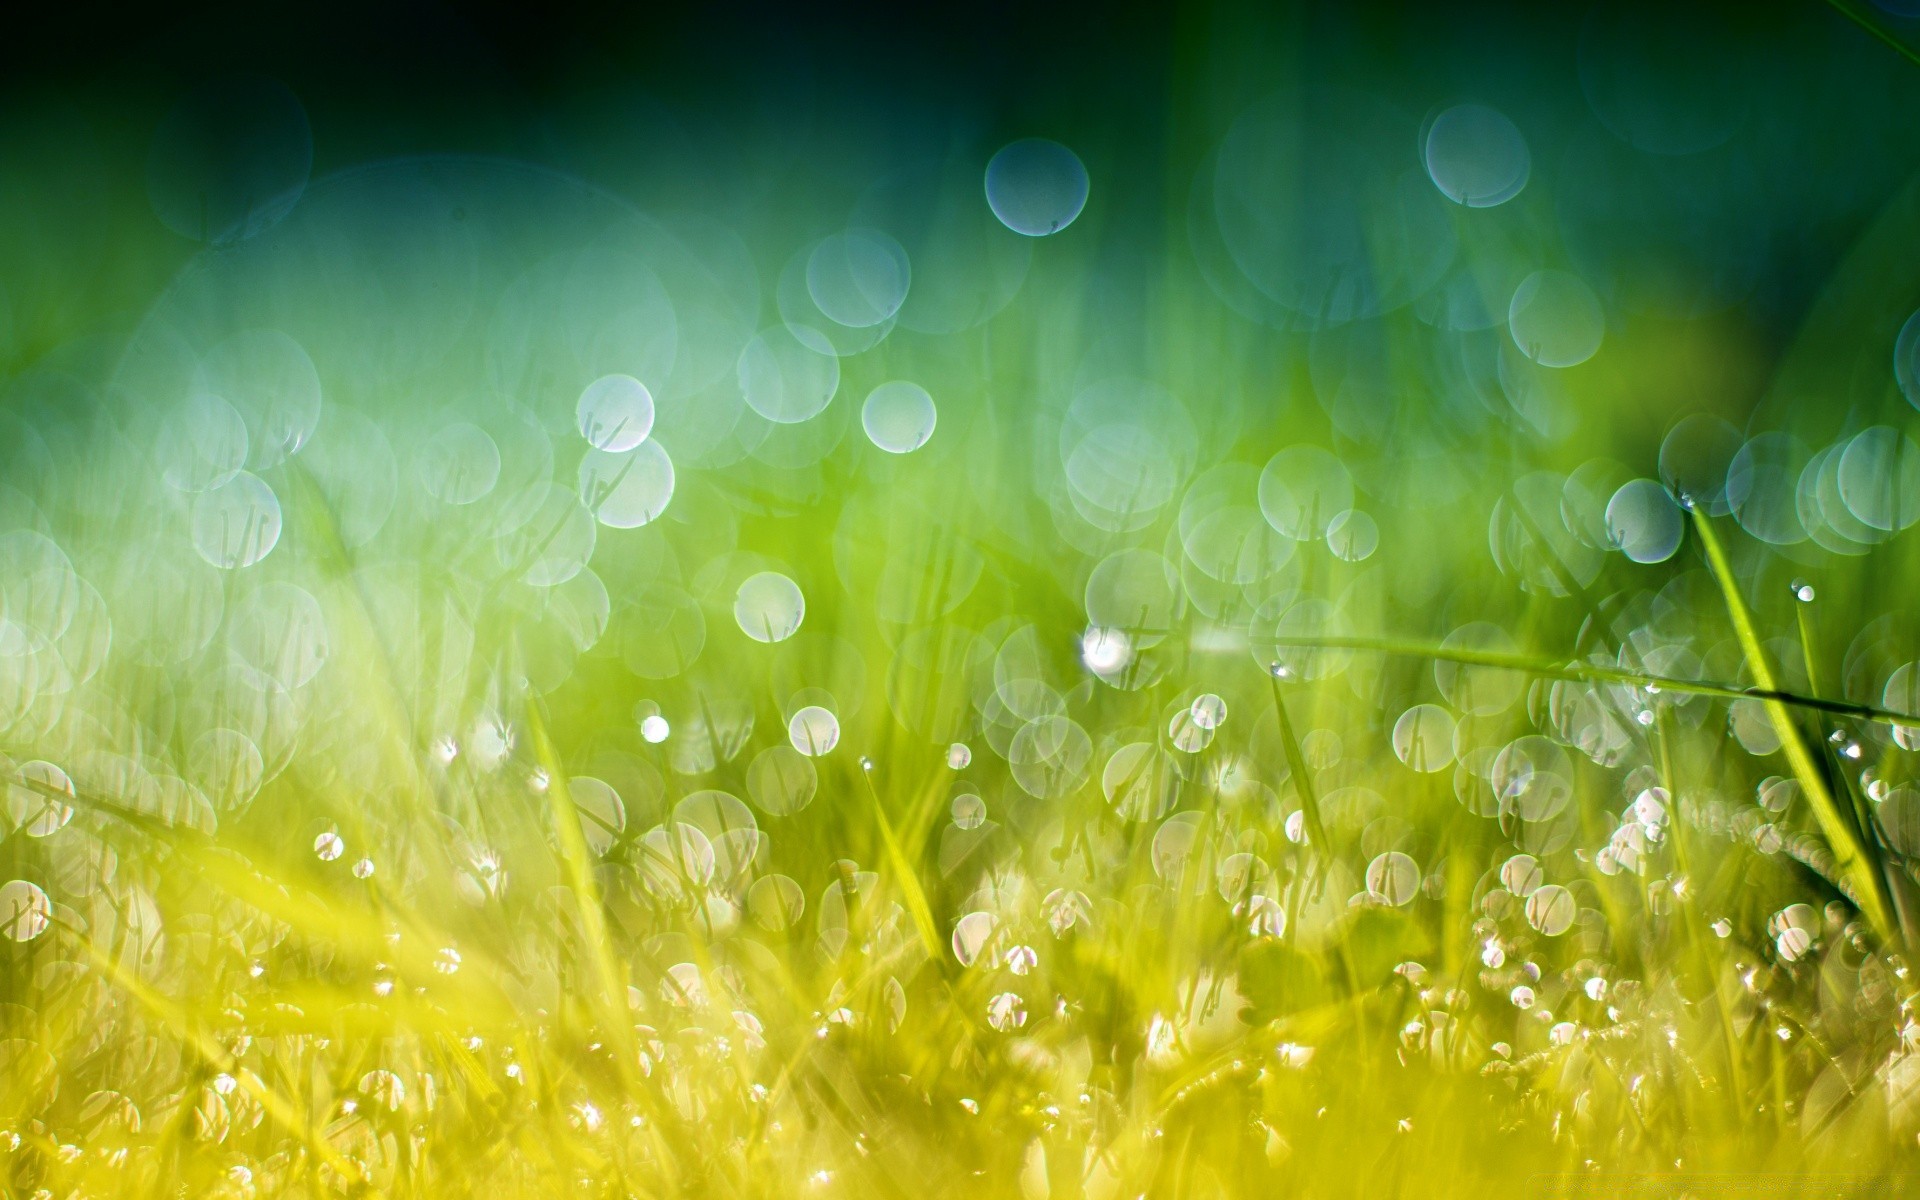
(906, 877)
(277, 1108)
(1302, 777)
(1873, 28)
(1854, 858)
(1585, 672)
(578, 861)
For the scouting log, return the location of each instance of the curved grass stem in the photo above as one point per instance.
(1588, 672)
(1854, 857)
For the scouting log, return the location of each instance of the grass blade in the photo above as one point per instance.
(1303, 779)
(1854, 858)
(1586, 672)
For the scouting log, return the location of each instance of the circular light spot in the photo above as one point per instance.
(1302, 489)
(627, 490)
(1792, 942)
(1476, 157)
(1036, 187)
(1762, 488)
(970, 936)
(615, 413)
(769, 607)
(782, 780)
(202, 444)
(25, 911)
(1136, 592)
(775, 902)
(1353, 536)
(236, 524)
(1394, 877)
(1906, 360)
(1550, 909)
(602, 814)
(785, 380)
(1879, 478)
(227, 766)
(899, 416)
(1521, 875)
(1105, 650)
(1208, 710)
(1186, 734)
(459, 464)
(813, 731)
(1423, 738)
(34, 801)
(1899, 815)
(1644, 522)
(1049, 757)
(271, 380)
(1695, 458)
(1533, 778)
(1902, 695)
(858, 278)
(969, 811)
(1007, 1012)
(552, 542)
(1556, 319)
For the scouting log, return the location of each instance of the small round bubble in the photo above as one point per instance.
(813, 731)
(615, 413)
(1208, 710)
(626, 489)
(1555, 319)
(1036, 187)
(1423, 738)
(1644, 522)
(1550, 909)
(25, 910)
(1906, 360)
(236, 524)
(1104, 650)
(969, 811)
(769, 607)
(858, 278)
(459, 464)
(1394, 877)
(786, 380)
(898, 417)
(1353, 535)
(1476, 157)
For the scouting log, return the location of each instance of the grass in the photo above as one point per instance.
(1156, 1044)
(1486, 859)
